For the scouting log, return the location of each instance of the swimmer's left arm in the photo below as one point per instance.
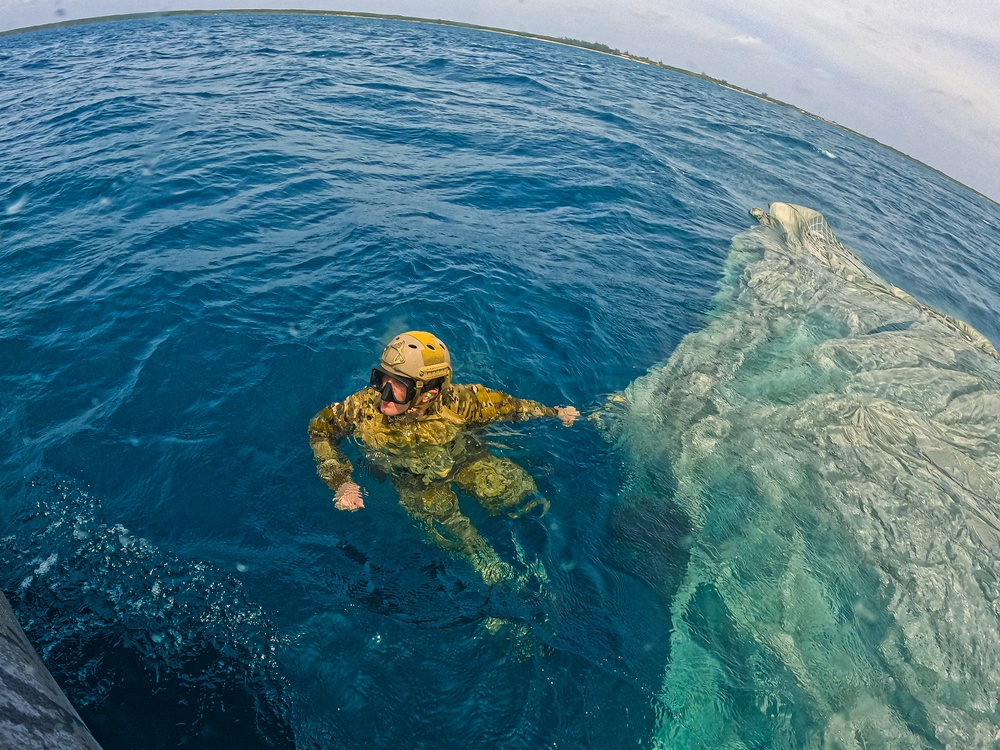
(485, 405)
(568, 414)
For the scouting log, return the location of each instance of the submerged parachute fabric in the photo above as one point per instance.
(835, 445)
(808, 231)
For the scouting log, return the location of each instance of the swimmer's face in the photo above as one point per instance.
(399, 391)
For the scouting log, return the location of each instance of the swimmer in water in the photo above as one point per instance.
(417, 427)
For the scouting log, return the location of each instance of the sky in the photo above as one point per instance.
(922, 76)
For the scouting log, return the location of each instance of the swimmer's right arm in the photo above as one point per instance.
(326, 430)
(348, 497)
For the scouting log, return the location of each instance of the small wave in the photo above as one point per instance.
(119, 621)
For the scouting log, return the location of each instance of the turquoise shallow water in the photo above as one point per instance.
(209, 227)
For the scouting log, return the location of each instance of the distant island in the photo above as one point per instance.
(592, 46)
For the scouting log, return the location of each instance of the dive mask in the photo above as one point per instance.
(380, 382)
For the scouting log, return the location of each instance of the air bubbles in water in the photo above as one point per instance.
(46, 564)
(16, 206)
(862, 612)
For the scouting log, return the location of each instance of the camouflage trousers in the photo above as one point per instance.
(499, 484)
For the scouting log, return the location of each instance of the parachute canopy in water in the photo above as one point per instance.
(834, 444)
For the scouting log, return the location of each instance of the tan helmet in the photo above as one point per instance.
(418, 356)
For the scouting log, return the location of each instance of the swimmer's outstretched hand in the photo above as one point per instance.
(348, 497)
(567, 414)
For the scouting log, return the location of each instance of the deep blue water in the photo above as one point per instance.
(208, 229)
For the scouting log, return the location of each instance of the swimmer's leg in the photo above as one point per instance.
(436, 506)
(500, 485)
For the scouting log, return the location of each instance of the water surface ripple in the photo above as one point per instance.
(209, 226)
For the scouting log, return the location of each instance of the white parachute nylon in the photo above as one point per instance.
(834, 444)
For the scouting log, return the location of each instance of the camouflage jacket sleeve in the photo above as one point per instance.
(479, 405)
(326, 430)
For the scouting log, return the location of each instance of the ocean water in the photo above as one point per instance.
(209, 226)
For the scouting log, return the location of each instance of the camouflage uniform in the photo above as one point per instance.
(423, 453)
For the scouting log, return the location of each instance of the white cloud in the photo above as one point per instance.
(943, 67)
